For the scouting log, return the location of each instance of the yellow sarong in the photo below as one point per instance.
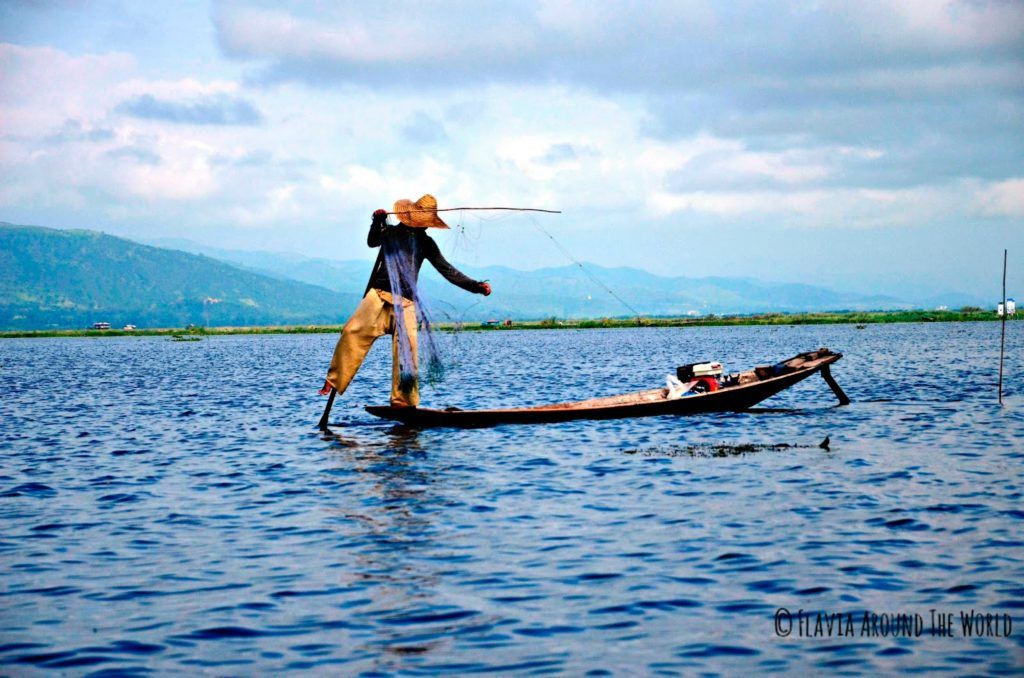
(374, 318)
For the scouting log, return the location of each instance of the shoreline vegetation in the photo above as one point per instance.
(859, 318)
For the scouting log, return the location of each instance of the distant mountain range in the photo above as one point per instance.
(568, 291)
(71, 278)
(66, 279)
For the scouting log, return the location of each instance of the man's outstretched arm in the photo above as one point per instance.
(452, 274)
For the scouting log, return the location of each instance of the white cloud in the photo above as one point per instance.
(615, 45)
(41, 87)
(64, 140)
(1002, 199)
(822, 208)
(545, 146)
(529, 153)
(184, 173)
(179, 89)
(372, 37)
(355, 180)
(950, 21)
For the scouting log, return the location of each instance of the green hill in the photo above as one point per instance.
(68, 279)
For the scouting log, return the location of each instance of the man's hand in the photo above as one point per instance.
(485, 289)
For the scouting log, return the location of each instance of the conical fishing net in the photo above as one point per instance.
(439, 351)
(400, 253)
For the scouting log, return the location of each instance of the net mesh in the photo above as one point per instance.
(438, 322)
(400, 253)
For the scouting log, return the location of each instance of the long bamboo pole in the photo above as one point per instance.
(1002, 333)
(507, 209)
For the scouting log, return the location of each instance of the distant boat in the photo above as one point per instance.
(757, 385)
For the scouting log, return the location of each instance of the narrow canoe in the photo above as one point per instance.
(649, 403)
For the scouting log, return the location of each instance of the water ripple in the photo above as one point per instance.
(175, 512)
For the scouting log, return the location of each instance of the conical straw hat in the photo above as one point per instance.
(419, 214)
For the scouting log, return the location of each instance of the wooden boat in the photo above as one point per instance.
(762, 383)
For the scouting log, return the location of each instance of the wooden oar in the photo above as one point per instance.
(327, 410)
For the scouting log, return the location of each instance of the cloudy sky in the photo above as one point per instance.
(869, 146)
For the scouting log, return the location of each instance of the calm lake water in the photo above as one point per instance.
(169, 507)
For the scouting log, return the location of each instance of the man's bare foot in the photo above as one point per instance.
(326, 390)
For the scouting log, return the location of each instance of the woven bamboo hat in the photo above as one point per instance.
(419, 214)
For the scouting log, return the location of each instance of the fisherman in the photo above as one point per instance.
(403, 249)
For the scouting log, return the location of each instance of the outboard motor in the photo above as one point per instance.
(705, 374)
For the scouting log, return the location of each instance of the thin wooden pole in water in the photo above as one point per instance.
(826, 372)
(1002, 333)
(327, 410)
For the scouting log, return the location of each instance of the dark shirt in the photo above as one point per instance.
(416, 242)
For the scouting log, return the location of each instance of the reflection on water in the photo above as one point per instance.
(169, 512)
(396, 522)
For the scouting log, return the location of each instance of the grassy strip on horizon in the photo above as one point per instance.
(823, 318)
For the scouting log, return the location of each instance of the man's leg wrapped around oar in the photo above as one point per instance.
(372, 319)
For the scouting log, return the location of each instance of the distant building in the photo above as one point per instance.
(129, 327)
(999, 309)
(1011, 307)
(101, 326)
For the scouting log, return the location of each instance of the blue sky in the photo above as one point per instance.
(868, 146)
